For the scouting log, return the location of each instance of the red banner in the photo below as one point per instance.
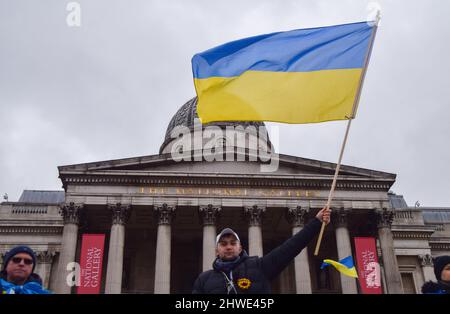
(369, 273)
(91, 259)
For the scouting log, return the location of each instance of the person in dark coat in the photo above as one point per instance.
(17, 275)
(442, 273)
(234, 272)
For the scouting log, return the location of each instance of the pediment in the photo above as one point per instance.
(288, 166)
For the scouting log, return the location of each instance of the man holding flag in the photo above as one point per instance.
(234, 272)
(300, 76)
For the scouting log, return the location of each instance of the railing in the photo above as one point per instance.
(404, 214)
(29, 210)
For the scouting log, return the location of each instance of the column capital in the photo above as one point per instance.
(297, 216)
(120, 213)
(164, 213)
(71, 212)
(385, 218)
(426, 260)
(254, 214)
(340, 217)
(209, 214)
(45, 256)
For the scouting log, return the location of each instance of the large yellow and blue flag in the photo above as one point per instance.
(299, 76)
(344, 266)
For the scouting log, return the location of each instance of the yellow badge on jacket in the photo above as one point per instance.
(244, 283)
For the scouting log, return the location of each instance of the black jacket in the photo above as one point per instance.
(258, 270)
(435, 288)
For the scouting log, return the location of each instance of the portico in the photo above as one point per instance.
(161, 214)
(170, 219)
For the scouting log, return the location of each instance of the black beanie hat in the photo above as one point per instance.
(439, 264)
(19, 249)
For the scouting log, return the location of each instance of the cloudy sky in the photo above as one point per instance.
(108, 89)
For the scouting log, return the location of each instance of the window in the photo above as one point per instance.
(409, 286)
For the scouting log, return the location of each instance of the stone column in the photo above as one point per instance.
(393, 278)
(344, 248)
(255, 243)
(120, 215)
(209, 215)
(382, 272)
(426, 262)
(44, 265)
(71, 216)
(165, 214)
(297, 218)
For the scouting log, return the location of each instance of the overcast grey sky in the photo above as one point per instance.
(108, 89)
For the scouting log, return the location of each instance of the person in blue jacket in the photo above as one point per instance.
(17, 275)
(234, 272)
(442, 273)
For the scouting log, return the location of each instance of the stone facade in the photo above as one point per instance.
(174, 227)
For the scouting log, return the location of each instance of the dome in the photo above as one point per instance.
(186, 115)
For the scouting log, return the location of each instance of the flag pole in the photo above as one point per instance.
(355, 106)
(333, 186)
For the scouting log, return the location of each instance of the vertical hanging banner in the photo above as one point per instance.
(368, 266)
(91, 260)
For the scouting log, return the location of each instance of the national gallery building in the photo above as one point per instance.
(160, 216)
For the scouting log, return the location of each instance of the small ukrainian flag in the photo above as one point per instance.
(344, 266)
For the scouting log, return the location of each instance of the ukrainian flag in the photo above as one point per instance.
(345, 266)
(300, 76)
